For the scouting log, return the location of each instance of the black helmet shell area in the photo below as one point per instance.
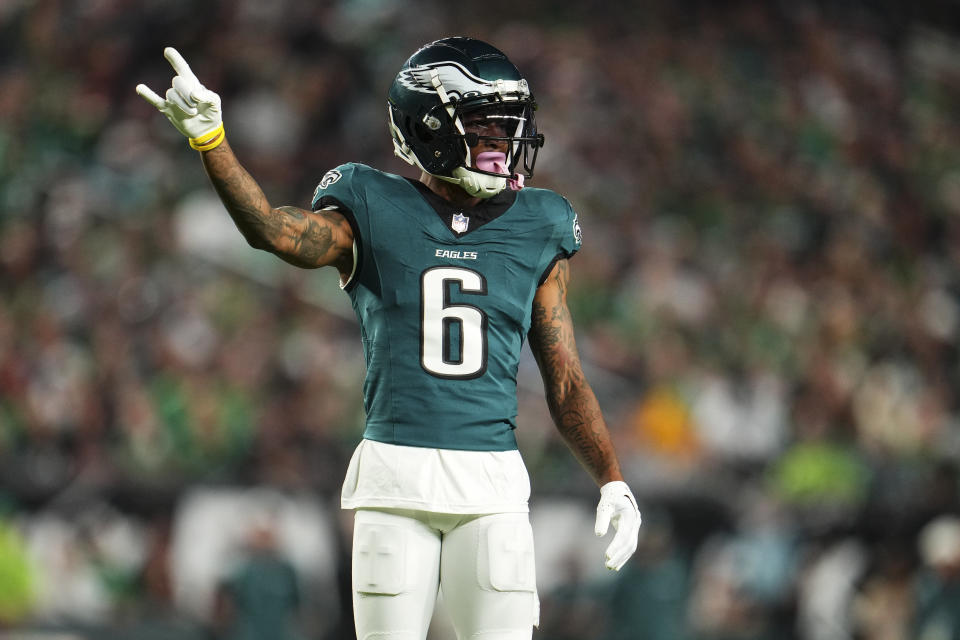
(436, 86)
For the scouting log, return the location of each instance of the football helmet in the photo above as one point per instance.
(438, 86)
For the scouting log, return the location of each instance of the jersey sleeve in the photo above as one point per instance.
(569, 235)
(565, 238)
(342, 189)
(338, 187)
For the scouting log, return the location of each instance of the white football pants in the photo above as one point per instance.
(483, 564)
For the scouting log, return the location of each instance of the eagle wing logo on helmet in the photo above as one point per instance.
(457, 81)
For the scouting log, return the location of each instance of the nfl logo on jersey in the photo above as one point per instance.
(460, 223)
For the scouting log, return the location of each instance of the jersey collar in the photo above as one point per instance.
(486, 211)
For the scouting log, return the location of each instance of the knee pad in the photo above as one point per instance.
(506, 561)
(379, 559)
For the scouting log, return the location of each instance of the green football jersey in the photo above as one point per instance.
(443, 296)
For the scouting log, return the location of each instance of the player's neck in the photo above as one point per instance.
(452, 193)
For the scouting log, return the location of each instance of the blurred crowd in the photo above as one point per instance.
(767, 304)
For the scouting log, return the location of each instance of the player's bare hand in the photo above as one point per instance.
(619, 507)
(192, 108)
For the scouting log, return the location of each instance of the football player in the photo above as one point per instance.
(447, 274)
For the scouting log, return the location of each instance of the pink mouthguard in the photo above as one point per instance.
(495, 161)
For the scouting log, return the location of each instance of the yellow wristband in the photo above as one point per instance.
(207, 137)
(208, 141)
(213, 144)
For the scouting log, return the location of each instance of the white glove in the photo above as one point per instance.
(617, 505)
(192, 108)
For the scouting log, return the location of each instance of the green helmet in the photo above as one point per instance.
(436, 87)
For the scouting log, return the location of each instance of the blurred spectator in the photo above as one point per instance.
(260, 597)
(17, 577)
(826, 589)
(937, 614)
(649, 598)
(882, 607)
(743, 581)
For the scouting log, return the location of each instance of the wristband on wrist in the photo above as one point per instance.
(209, 141)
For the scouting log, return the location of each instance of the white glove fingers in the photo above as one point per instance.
(151, 97)
(604, 513)
(177, 116)
(179, 64)
(621, 548)
(611, 554)
(187, 89)
(206, 98)
(174, 98)
(615, 561)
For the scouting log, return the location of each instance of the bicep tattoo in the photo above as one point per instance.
(552, 339)
(302, 235)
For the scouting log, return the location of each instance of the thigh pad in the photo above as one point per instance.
(505, 559)
(379, 558)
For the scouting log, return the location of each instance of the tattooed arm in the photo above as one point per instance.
(572, 405)
(303, 238)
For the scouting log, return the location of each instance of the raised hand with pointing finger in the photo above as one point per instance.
(192, 108)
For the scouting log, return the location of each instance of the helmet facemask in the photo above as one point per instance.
(507, 125)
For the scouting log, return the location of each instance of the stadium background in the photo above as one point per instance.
(766, 301)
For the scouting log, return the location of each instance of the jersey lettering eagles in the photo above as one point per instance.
(443, 297)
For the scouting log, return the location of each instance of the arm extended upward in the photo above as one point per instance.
(573, 406)
(303, 238)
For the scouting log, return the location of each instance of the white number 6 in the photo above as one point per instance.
(438, 318)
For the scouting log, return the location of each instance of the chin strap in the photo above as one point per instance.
(478, 185)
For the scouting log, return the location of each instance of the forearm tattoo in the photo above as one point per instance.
(301, 237)
(571, 401)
